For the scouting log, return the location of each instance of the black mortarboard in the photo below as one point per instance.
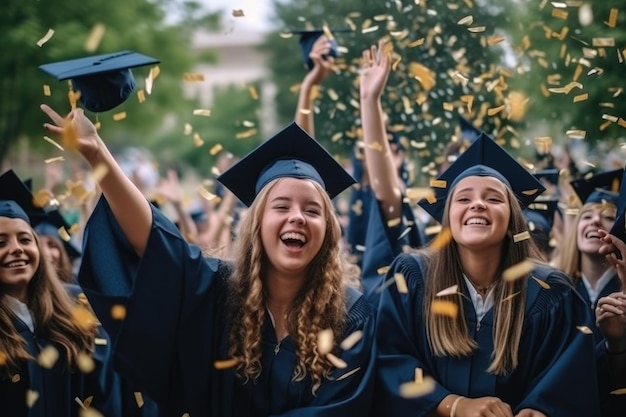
(541, 214)
(619, 227)
(289, 153)
(468, 130)
(483, 158)
(308, 38)
(603, 187)
(104, 81)
(551, 176)
(16, 201)
(52, 225)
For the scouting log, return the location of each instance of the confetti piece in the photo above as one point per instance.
(84, 318)
(559, 14)
(204, 193)
(494, 40)
(584, 329)
(42, 198)
(566, 89)
(443, 238)
(216, 149)
(225, 364)
(100, 341)
(63, 234)
(69, 135)
(510, 297)
(99, 172)
(477, 29)
(202, 112)
(197, 140)
(46, 90)
(382, 270)
(118, 312)
(253, 93)
(448, 291)
(192, 77)
(530, 192)
(46, 38)
(325, 341)
(610, 118)
(415, 390)
(401, 283)
(518, 270)
(152, 75)
(48, 357)
(369, 29)
(95, 37)
(350, 341)
(438, 183)
(336, 362)
(141, 95)
(55, 159)
(90, 412)
(119, 116)
(415, 43)
(31, 396)
(431, 230)
(419, 376)
(52, 142)
(327, 33)
(15, 378)
(619, 391)
(139, 399)
(576, 134)
(495, 110)
(88, 401)
(244, 135)
(580, 97)
(394, 222)
(444, 308)
(348, 374)
(85, 363)
(542, 283)
(612, 22)
(188, 129)
(519, 237)
(467, 20)
(603, 42)
(238, 13)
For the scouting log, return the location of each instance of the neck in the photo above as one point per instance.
(281, 291)
(592, 267)
(480, 269)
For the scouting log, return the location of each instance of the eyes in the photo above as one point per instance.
(311, 210)
(23, 239)
(589, 215)
(495, 199)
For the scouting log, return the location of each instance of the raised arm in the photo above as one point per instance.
(322, 67)
(130, 207)
(384, 181)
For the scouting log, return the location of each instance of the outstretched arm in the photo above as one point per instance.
(130, 207)
(384, 180)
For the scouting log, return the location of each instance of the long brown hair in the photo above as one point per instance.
(320, 304)
(53, 313)
(450, 336)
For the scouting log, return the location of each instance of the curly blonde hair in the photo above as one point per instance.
(320, 304)
(52, 309)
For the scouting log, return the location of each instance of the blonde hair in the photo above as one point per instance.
(569, 260)
(64, 267)
(52, 309)
(450, 336)
(320, 303)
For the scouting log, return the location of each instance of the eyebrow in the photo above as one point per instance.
(490, 189)
(282, 198)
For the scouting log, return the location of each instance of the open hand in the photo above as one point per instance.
(76, 130)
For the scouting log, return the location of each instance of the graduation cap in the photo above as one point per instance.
(52, 225)
(469, 132)
(289, 153)
(619, 227)
(16, 200)
(484, 158)
(308, 38)
(541, 214)
(104, 81)
(551, 176)
(601, 188)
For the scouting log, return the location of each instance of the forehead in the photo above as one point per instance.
(599, 207)
(289, 187)
(13, 225)
(479, 183)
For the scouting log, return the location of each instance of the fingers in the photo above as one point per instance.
(54, 116)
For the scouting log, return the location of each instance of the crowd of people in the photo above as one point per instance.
(263, 302)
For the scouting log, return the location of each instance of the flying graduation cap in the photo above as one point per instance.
(289, 153)
(16, 200)
(308, 38)
(104, 81)
(601, 188)
(484, 158)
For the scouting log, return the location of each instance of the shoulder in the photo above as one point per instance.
(412, 266)
(550, 288)
(359, 309)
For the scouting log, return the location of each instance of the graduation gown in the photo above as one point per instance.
(556, 373)
(56, 388)
(614, 285)
(176, 327)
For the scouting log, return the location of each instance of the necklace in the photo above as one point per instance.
(483, 291)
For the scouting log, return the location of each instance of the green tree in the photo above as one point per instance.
(571, 58)
(447, 62)
(140, 25)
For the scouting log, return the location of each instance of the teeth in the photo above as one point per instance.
(16, 264)
(294, 236)
(476, 220)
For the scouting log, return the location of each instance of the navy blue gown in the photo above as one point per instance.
(176, 327)
(614, 285)
(556, 373)
(58, 387)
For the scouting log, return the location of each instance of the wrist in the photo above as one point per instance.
(455, 405)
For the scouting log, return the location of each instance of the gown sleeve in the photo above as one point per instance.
(172, 330)
(400, 350)
(349, 391)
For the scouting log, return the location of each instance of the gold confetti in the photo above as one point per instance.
(394, 222)
(193, 77)
(467, 20)
(85, 363)
(216, 149)
(42, 198)
(139, 399)
(477, 29)
(610, 118)
(417, 389)
(438, 183)
(612, 18)
(350, 341)
(443, 238)
(202, 112)
(559, 14)
(619, 391)
(444, 308)
(327, 33)
(15, 378)
(566, 89)
(584, 329)
(576, 134)
(119, 116)
(45, 38)
(46, 90)
(88, 401)
(253, 92)
(581, 97)
(52, 142)
(100, 341)
(336, 362)
(530, 192)
(244, 135)
(90, 412)
(31, 396)
(238, 13)
(95, 37)
(141, 95)
(382, 270)
(152, 75)
(48, 357)
(348, 374)
(197, 140)
(494, 40)
(204, 193)
(419, 375)
(510, 297)
(369, 29)
(424, 75)
(448, 291)
(495, 110)
(518, 270)
(225, 364)
(118, 312)
(603, 42)
(401, 283)
(521, 236)
(417, 42)
(325, 341)
(542, 283)
(63, 234)
(84, 317)
(55, 159)
(188, 129)
(69, 135)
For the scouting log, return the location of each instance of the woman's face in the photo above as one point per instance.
(592, 218)
(293, 226)
(19, 256)
(479, 212)
(51, 250)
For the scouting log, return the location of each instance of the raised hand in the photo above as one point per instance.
(375, 68)
(322, 61)
(75, 128)
(615, 252)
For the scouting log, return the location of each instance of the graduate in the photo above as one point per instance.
(580, 258)
(54, 361)
(62, 253)
(460, 339)
(211, 338)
